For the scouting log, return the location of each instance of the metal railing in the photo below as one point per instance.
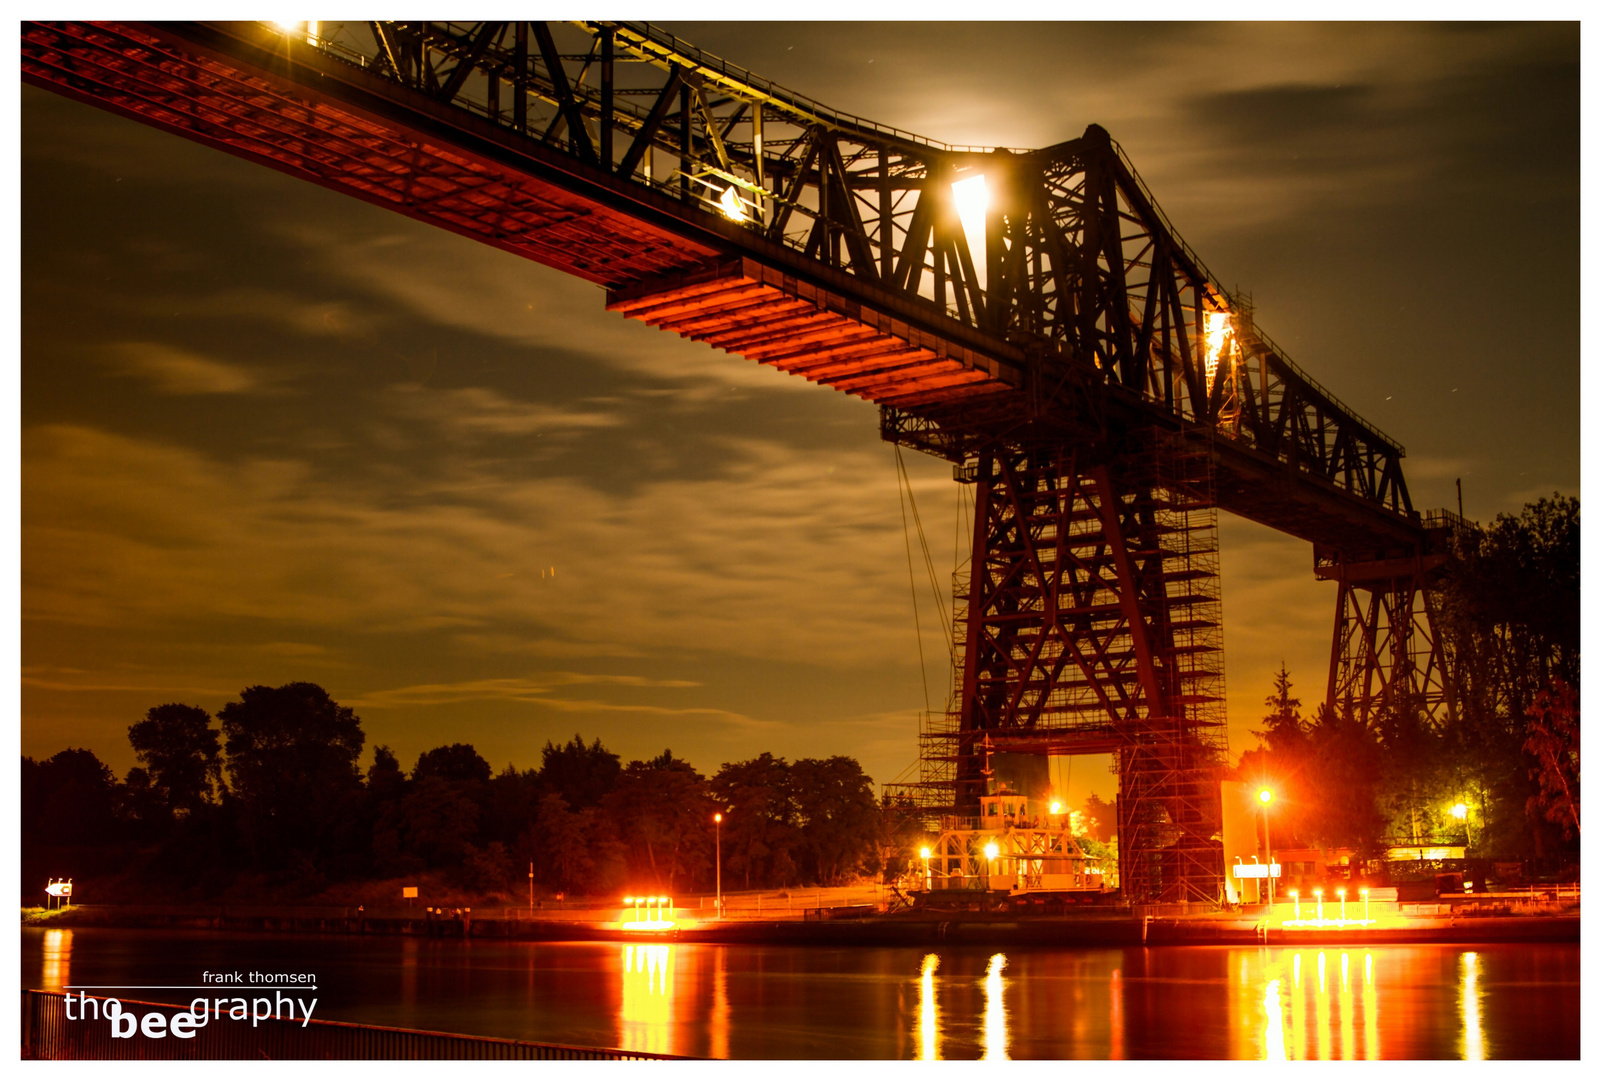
(48, 1034)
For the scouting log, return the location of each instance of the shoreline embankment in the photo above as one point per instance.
(1116, 927)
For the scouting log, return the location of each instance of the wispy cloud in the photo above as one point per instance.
(175, 371)
(536, 689)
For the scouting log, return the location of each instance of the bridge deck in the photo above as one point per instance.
(762, 314)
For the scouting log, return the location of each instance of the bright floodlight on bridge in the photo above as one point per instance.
(972, 204)
(1265, 796)
(732, 205)
(310, 29)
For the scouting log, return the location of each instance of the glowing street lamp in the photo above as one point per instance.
(927, 873)
(991, 851)
(1366, 905)
(1265, 795)
(1459, 812)
(718, 819)
(1340, 892)
(1318, 894)
(1294, 894)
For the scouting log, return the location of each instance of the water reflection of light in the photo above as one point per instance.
(1473, 1047)
(1297, 971)
(994, 1013)
(719, 1007)
(647, 998)
(1369, 1015)
(1347, 1020)
(57, 959)
(1273, 1048)
(1324, 1027)
(928, 1010)
(1116, 1014)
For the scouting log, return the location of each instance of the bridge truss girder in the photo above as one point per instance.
(617, 152)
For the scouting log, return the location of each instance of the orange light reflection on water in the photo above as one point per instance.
(719, 1007)
(1473, 1046)
(647, 998)
(57, 968)
(994, 1012)
(1286, 1003)
(928, 1010)
(1116, 1014)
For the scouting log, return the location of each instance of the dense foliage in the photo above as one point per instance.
(272, 804)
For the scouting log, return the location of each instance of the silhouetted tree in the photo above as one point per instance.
(758, 831)
(69, 799)
(292, 754)
(386, 781)
(663, 810)
(581, 775)
(458, 762)
(1284, 729)
(179, 749)
(838, 818)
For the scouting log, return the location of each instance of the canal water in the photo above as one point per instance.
(1492, 1001)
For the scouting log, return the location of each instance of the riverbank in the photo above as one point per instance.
(1116, 927)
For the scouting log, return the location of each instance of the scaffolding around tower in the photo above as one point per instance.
(1089, 622)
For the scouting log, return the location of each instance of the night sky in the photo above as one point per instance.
(271, 433)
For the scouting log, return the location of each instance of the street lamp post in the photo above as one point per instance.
(1266, 825)
(718, 819)
(1459, 812)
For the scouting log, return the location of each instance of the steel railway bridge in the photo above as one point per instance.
(1029, 315)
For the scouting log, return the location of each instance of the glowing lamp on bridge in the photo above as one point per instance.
(1217, 330)
(732, 206)
(972, 205)
(1055, 807)
(292, 28)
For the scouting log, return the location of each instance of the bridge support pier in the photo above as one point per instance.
(1387, 659)
(1092, 624)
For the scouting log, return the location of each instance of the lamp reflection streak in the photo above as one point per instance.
(1473, 1047)
(719, 1007)
(1298, 1010)
(1116, 1014)
(1369, 1015)
(1347, 1020)
(57, 968)
(1272, 1048)
(994, 1013)
(928, 1010)
(1324, 1026)
(647, 998)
